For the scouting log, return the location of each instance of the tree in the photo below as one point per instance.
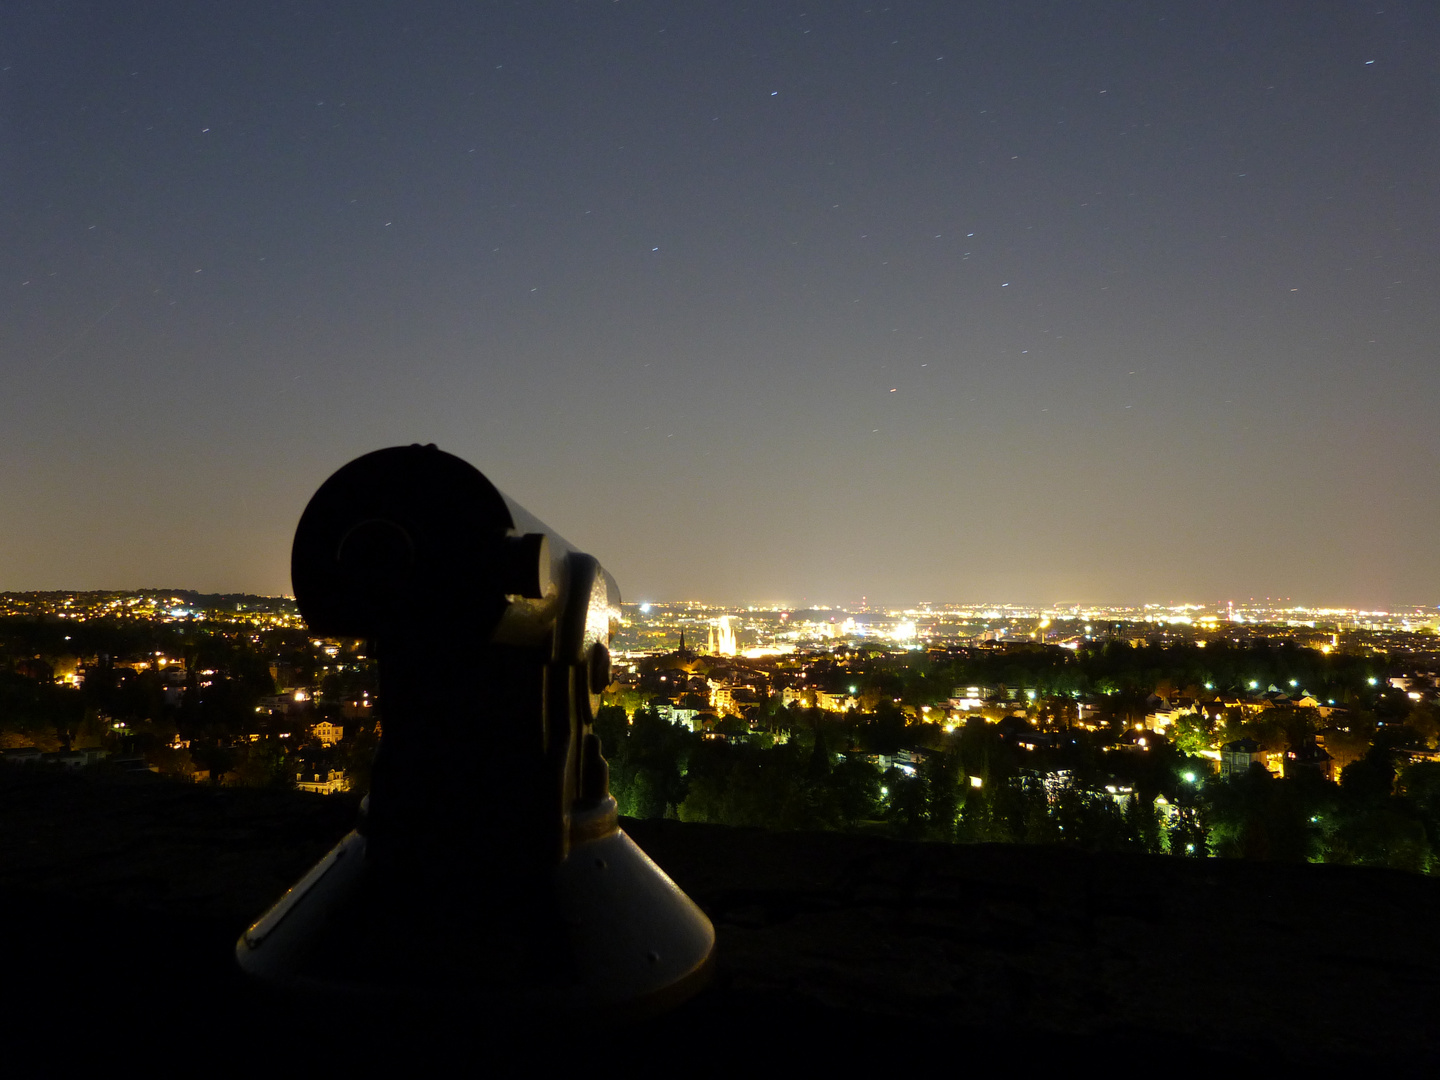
(172, 761)
(885, 731)
(906, 805)
(1092, 820)
(1424, 720)
(1142, 824)
(732, 727)
(1193, 734)
(1019, 807)
(740, 784)
(217, 759)
(647, 763)
(1187, 835)
(854, 785)
(941, 775)
(263, 765)
(1256, 816)
(1370, 779)
(91, 731)
(612, 726)
(1380, 834)
(1420, 787)
(357, 756)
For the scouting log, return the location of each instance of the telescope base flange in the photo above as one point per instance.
(614, 939)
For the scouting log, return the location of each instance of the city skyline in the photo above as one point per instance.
(1114, 302)
(185, 604)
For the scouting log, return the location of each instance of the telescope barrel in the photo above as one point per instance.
(411, 536)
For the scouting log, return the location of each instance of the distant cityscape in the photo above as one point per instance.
(758, 630)
(768, 626)
(1252, 729)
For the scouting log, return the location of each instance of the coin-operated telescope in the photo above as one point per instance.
(488, 866)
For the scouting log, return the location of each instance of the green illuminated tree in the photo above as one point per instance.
(1193, 734)
(1420, 787)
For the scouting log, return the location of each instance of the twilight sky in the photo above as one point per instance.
(773, 301)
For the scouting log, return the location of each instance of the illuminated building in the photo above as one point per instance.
(727, 636)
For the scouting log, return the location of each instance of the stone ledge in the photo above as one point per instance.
(131, 893)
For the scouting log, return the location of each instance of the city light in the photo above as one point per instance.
(763, 675)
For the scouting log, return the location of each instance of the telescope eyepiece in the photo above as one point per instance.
(524, 566)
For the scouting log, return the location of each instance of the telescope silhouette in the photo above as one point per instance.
(488, 865)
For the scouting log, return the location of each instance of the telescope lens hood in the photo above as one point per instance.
(400, 537)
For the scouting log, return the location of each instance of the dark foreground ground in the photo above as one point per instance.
(121, 900)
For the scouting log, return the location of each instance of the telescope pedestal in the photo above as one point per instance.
(610, 937)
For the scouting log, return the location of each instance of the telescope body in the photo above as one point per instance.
(488, 864)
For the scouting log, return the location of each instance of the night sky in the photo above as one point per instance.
(1037, 302)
